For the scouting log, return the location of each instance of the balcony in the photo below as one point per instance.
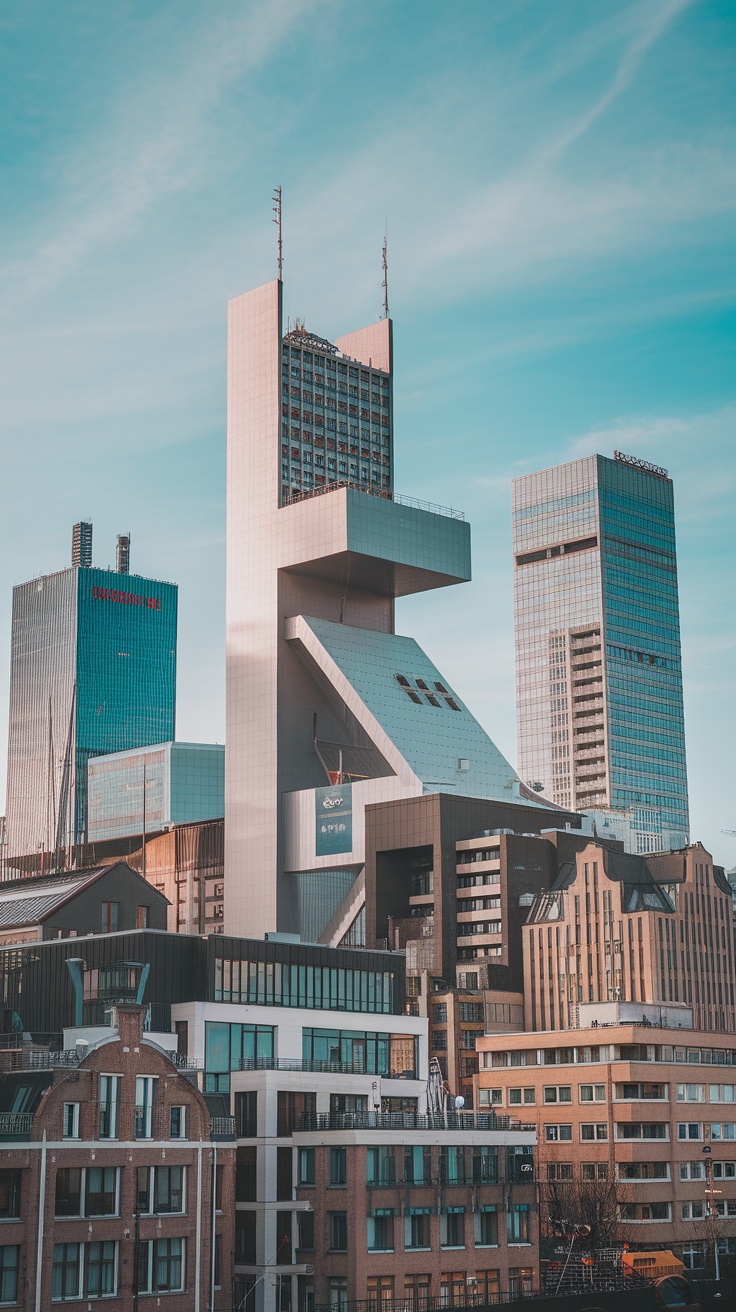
(15, 1127)
(222, 1128)
(317, 1067)
(322, 1121)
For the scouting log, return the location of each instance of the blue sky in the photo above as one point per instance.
(559, 186)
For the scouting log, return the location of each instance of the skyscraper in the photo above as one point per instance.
(93, 670)
(598, 668)
(328, 710)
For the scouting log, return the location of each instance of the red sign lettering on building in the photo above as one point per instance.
(126, 598)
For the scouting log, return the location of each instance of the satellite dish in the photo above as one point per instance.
(459, 1102)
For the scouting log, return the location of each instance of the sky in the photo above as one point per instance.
(558, 185)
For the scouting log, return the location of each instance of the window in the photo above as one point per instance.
(559, 1170)
(594, 1171)
(141, 917)
(692, 1211)
(161, 1189)
(70, 1123)
(490, 1097)
(452, 1289)
(109, 1100)
(597, 1131)
(486, 1227)
(100, 1269)
(689, 1130)
(645, 1211)
(416, 1227)
(485, 1164)
(693, 1169)
(101, 1191)
(380, 1291)
(439, 1013)
(145, 1099)
(519, 1096)
(381, 1167)
(381, 1230)
(693, 1256)
(417, 1165)
(558, 1133)
(723, 1130)
(10, 1195)
(178, 1122)
(8, 1273)
(338, 1166)
(338, 1227)
(338, 1293)
(161, 1266)
(110, 917)
(306, 1166)
(557, 1093)
(452, 1228)
(305, 1230)
(643, 1130)
(68, 1191)
(65, 1276)
(246, 1114)
(721, 1092)
(439, 1041)
(292, 1110)
(643, 1171)
(517, 1224)
(592, 1092)
(724, 1170)
(692, 1092)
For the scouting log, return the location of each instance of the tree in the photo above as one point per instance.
(565, 1204)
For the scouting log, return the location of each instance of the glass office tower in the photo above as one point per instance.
(93, 671)
(598, 668)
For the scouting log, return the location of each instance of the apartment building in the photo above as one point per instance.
(638, 1100)
(116, 1181)
(654, 929)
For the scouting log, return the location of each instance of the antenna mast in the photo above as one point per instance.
(277, 221)
(384, 263)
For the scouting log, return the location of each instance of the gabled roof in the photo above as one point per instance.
(31, 901)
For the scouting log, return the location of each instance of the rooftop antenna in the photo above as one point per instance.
(277, 221)
(384, 263)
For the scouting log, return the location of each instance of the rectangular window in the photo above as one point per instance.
(9, 1273)
(381, 1231)
(689, 1130)
(10, 1195)
(592, 1092)
(338, 1229)
(452, 1228)
(558, 1133)
(381, 1166)
(178, 1122)
(246, 1114)
(305, 1230)
(109, 1100)
(145, 1099)
(517, 1224)
(597, 1131)
(100, 1269)
(141, 917)
(284, 1175)
(101, 1192)
(338, 1166)
(692, 1092)
(486, 1227)
(65, 1276)
(68, 1191)
(416, 1228)
(557, 1093)
(306, 1166)
(417, 1165)
(161, 1266)
(161, 1189)
(70, 1124)
(594, 1171)
(110, 917)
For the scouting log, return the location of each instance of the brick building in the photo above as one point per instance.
(654, 929)
(107, 1167)
(649, 1108)
(406, 1208)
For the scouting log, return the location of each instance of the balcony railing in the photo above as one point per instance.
(319, 1121)
(316, 1067)
(385, 495)
(16, 1125)
(222, 1127)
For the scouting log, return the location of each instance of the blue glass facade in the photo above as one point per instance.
(183, 782)
(93, 671)
(599, 677)
(646, 729)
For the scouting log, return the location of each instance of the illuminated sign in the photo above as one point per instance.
(334, 817)
(126, 598)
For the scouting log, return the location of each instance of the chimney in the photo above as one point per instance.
(82, 544)
(122, 554)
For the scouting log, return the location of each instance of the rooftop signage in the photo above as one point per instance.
(126, 598)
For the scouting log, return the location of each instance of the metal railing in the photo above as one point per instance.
(15, 1125)
(222, 1127)
(316, 1067)
(315, 1121)
(414, 503)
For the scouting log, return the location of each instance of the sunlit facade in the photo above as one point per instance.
(599, 675)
